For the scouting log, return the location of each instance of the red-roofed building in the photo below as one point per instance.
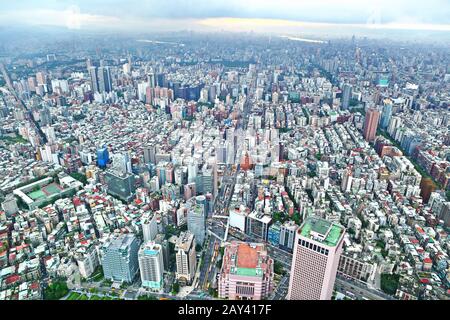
(427, 264)
(246, 273)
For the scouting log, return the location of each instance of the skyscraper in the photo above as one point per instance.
(371, 124)
(196, 221)
(94, 79)
(104, 79)
(317, 250)
(151, 266)
(185, 257)
(102, 157)
(346, 94)
(119, 258)
(120, 185)
(149, 226)
(386, 114)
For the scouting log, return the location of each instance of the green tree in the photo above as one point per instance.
(56, 290)
(278, 268)
(175, 287)
(389, 283)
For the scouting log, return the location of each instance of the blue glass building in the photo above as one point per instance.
(386, 115)
(273, 236)
(102, 157)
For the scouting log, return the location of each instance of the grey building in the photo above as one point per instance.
(287, 235)
(120, 185)
(119, 258)
(196, 222)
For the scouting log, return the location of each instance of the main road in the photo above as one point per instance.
(22, 103)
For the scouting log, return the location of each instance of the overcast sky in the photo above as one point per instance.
(266, 15)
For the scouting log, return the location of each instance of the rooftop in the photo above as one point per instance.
(322, 230)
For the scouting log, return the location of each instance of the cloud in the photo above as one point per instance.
(198, 14)
(70, 18)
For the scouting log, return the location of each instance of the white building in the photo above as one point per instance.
(185, 257)
(151, 266)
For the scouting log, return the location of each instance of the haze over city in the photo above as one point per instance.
(222, 151)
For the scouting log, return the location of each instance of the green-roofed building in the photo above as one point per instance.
(317, 250)
(246, 273)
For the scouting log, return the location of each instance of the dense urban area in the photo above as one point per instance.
(224, 166)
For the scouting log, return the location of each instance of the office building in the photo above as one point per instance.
(119, 258)
(151, 266)
(346, 95)
(149, 226)
(317, 250)
(196, 217)
(94, 79)
(371, 124)
(246, 273)
(257, 225)
(386, 114)
(287, 235)
(104, 79)
(120, 185)
(185, 258)
(102, 157)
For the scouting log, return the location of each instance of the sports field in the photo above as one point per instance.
(37, 194)
(45, 191)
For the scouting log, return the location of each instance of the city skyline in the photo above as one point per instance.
(323, 18)
(296, 154)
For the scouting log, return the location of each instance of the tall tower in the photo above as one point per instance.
(185, 257)
(386, 114)
(371, 124)
(94, 78)
(151, 266)
(104, 79)
(346, 94)
(317, 250)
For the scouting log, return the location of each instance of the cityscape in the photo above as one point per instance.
(215, 164)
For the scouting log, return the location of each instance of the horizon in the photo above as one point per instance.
(323, 19)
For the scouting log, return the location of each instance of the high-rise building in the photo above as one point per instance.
(104, 79)
(41, 78)
(87, 260)
(196, 222)
(149, 226)
(94, 79)
(346, 95)
(371, 124)
(257, 225)
(185, 258)
(119, 258)
(160, 239)
(151, 266)
(102, 157)
(347, 180)
(246, 273)
(386, 114)
(287, 235)
(149, 154)
(317, 250)
(121, 185)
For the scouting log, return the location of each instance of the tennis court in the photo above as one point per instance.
(38, 194)
(51, 189)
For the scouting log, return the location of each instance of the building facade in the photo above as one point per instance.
(246, 273)
(151, 266)
(119, 258)
(317, 250)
